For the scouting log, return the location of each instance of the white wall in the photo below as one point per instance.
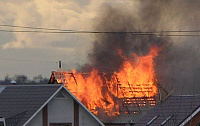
(85, 119)
(60, 110)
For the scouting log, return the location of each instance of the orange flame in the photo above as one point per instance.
(136, 78)
(139, 75)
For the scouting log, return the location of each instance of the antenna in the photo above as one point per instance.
(59, 64)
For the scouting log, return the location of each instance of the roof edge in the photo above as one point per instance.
(190, 117)
(42, 106)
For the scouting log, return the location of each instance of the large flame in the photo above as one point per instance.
(136, 78)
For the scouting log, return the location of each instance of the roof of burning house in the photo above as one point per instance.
(175, 110)
(20, 103)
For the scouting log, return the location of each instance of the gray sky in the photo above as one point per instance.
(18, 50)
(32, 53)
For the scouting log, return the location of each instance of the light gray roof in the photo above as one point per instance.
(173, 111)
(19, 103)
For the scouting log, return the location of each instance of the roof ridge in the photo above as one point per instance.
(34, 85)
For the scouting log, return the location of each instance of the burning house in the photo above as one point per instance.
(121, 97)
(118, 106)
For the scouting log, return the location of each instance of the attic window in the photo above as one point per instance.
(60, 95)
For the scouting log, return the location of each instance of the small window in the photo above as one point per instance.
(60, 124)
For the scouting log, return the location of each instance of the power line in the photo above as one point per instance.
(57, 29)
(30, 27)
(93, 32)
(24, 60)
(69, 31)
(97, 32)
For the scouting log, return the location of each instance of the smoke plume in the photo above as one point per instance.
(177, 66)
(104, 55)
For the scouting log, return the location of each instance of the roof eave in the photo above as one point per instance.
(190, 117)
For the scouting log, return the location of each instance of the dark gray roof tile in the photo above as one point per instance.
(179, 106)
(18, 99)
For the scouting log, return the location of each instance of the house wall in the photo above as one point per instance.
(194, 121)
(85, 119)
(37, 120)
(60, 110)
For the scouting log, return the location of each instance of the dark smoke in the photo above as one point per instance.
(177, 66)
(104, 56)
